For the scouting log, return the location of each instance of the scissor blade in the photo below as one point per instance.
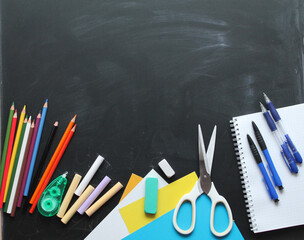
(205, 180)
(210, 151)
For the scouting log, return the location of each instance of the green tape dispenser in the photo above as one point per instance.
(49, 202)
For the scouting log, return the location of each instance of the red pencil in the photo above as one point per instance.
(45, 183)
(8, 157)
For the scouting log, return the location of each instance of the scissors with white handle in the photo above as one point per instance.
(204, 185)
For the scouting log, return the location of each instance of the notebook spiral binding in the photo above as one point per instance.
(243, 173)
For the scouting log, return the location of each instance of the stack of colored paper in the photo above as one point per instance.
(135, 224)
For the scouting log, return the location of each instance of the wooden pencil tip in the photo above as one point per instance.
(74, 118)
(30, 119)
(73, 129)
(46, 103)
(24, 107)
(56, 124)
(15, 114)
(33, 124)
(25, 120)
(13, 106)
(39, 115)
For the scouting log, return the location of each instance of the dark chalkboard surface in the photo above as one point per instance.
(141, 75)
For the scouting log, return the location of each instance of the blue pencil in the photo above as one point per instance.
(30, 173)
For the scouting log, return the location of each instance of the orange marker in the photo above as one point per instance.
(47, 170)
(52, 170)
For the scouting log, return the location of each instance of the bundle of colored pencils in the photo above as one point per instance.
(20, 149)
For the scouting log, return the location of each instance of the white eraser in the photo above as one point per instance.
(85, 181)
(167, 169)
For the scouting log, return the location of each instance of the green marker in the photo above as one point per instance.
(50, 200)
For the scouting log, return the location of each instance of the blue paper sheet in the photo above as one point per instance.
(162, 228)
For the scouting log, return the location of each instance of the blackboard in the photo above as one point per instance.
(141, 75)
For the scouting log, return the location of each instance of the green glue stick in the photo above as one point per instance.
(50, 200)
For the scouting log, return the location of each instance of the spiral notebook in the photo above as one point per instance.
(263, 213)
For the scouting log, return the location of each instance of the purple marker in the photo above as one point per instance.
(101, 186)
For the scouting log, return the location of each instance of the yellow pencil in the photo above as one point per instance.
(16, 143)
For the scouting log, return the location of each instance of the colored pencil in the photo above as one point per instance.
(5, 146)
(23, 169)
(13, 157)
(8, 157)
(42, 161)
(45, 183)
(15, 164)
(64, 137)
(37, 143)
(28, 160)
(10, 200)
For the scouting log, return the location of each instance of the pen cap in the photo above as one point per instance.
(269, 121)
(274, 112)
(259, 136)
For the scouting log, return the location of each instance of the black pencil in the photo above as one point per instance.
(41, 164)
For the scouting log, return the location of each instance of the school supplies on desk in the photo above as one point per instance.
(204, 185)
(262, 213)
(168, 196)
(114, 220)
(53, 159)
(162, 227)
(52, 170)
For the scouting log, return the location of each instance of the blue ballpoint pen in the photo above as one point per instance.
(279, 122)
(273, 172)
(286, 154)
(270, 188)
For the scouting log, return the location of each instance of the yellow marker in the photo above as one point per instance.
(16, 143)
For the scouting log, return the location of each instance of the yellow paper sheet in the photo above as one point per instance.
(134, 215)
(133, 181)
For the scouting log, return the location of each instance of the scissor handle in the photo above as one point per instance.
(189, 197)
(216, 199)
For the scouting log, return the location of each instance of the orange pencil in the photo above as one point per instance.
(45, 183)
(47, 170)
(8, 157)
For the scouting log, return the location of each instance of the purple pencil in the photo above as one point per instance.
(28, 162)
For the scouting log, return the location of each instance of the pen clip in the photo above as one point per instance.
(285, 160)
(267, 188)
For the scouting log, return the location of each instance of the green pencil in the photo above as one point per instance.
(15, 164)
(7, 135)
